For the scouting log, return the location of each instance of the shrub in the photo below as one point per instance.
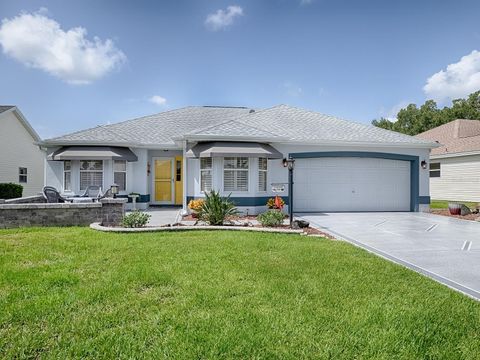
(275, 203)
(196, 205)
(271, 218)
(10, 191)
(136, 219)
(216, 209)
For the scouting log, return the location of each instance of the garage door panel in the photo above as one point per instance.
(351, 184)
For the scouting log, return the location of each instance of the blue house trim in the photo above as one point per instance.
(415, 198)
(247, 200)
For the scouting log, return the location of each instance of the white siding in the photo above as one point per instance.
(459, 179)
(17, 149)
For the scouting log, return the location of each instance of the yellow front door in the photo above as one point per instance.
(163, 180)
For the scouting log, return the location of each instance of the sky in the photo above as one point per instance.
(70, 65)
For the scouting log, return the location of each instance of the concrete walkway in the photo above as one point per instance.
(162, 216)
(443, 248)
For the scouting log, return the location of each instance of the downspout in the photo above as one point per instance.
(290, 193)
(185, 178)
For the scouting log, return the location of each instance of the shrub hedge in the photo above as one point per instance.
(10, 191)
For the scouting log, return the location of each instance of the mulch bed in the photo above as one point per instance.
(445, 212)
(308, 231)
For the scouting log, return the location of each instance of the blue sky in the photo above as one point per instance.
(355, 59)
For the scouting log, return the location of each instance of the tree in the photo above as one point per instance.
(413, 120)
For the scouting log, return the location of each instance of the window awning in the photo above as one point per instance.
(237, 149)
(92, 153)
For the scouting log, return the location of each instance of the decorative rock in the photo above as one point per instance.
(464, 210)
(300, 224)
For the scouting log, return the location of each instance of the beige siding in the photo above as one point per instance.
(459, 179)
(17, 150)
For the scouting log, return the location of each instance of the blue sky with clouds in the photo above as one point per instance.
(74, 64)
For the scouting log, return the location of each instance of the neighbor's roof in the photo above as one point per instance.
(5, 108)
(457, 136)
(281, 123)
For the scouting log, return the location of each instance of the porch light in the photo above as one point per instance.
(114, 188)
(288, 163)
(423, 164)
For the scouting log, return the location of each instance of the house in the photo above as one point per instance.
(21, 160)
(455, 164)
(178, 155)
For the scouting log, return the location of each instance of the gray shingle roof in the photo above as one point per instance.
(233, 128)
(5, 108)
(302, 125)
(283, 123)
(157, 129)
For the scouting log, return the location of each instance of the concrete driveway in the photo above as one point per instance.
(445, 249)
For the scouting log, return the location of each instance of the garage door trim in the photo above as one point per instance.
(415, 199)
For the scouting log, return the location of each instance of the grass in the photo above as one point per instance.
(76, 293)
(443, 204)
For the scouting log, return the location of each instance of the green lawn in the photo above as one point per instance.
(443, 204)
(76, 293)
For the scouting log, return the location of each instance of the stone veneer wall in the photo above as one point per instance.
(108, 212)
(35, 199)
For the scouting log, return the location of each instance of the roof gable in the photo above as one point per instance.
(4, 109)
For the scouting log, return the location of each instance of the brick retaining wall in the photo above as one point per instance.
(109, 212)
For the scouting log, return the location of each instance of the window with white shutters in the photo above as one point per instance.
(205, 174)
(120, 174)
(91, 173)
(262, 174)
(235, 174)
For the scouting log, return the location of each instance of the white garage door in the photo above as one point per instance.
(351, 184)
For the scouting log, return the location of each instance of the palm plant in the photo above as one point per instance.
(216, 209)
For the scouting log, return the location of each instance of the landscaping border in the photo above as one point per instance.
(97, 226)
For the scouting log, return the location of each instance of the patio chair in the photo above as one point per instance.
(52, 195)
(106, 194)
(93, 191)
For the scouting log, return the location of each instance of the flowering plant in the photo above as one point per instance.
(196, 205)
(275, 203)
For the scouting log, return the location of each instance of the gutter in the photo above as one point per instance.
(452, 155)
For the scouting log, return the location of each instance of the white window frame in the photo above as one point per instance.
(125, 172)
(91, 171)
(435, 171)
(236, 171)
(206, 170)
(65, 172)
(260, 171)
(22, 175)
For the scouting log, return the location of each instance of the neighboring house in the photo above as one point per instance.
(174, 156)
(21, 159)
(455, 165)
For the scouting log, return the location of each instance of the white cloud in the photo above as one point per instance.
(391, 114)
(158, 100)
(457, 81)
(39, 42)
(223, 18)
